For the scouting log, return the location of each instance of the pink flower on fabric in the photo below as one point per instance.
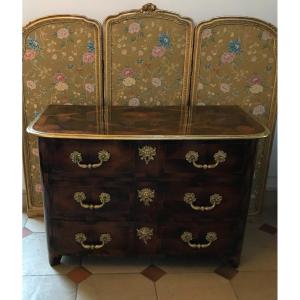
(134, 27)
(62, 33)
(89, 87)
(31, 84)
(29, 54)
(227, 57)
(225, 87)
(88, 57)
(59, 77)
(35, 151)
(206, 33)
(127, 72)
(255, 80)
(158, 51)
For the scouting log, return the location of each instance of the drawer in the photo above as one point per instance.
(207, 158)
(86, 158)
(184, 201)
(90, 199)
(148, 200)
(198, 239)
(105, 238)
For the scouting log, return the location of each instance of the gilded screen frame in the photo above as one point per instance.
(148, 10)
(267, 143)
(33, 210)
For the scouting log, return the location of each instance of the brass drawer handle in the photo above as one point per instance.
(145, 234)
(81, 239)
(214, 199)
(147, 153)
(80, 198)
(192, 157)
(76, 158)
(187, 237)
(146, 196)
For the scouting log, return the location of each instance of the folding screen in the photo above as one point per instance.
(61, 65)
(147, 58)
(235, 63)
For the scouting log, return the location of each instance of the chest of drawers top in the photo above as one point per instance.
(147, 123)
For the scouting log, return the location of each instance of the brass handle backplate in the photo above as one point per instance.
(76, 158)
(147, 153)
(187, 237)
(192, 157)
(214, 199)
(80, 197)
(146, 196)
(81, 239)
(144, 234)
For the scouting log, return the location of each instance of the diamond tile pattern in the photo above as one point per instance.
(26, 232)
(153, 273)
(79, 274)
(268, 228)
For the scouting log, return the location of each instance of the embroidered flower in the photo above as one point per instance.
(62, 33)
(38, 188)
(227, 57)
(31, 84)
(266, 35)
(255, 79)
(61, 86)
(225, 87)
(89, 87)
(234, 46)
(35, 151)
(206, 33)
(29, 54)
(59, 77)
(88, 57)
(259, 110)
(33, 44)
(256, 88)
(129, 81)
(164, 40)
(200, 86)
(134, 27)
(134, 102)
(127, 72)
(156, 82)
(158, 51)
(90, 46)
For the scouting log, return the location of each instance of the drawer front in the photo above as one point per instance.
(208, 158)
(197, 239)
(184, 201)
(90, 199)
(86, 158)
(105, 238)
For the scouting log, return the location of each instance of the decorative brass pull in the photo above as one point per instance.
(80, 198)
(147, 153)
(214, 199)
(146, 196)
(192, 157)
(187, 237)
(76, 158)
(81, 239)
(145, 234)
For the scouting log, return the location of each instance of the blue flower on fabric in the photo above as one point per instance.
(234, 46)
(33, 44)
(164, 40)
(90, 46)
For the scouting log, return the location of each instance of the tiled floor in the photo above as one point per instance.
(163, 279)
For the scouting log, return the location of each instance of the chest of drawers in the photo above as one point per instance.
(148, 181)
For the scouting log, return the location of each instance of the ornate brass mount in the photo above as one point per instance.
(192, 157)
(147, 153)
(80, 198)
(145, 234)
(76, 158)
(214, 199)
(81, 239)
(148, 8)
(187, 237)
(146, 196)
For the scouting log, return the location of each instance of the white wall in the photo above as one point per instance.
(198, 10)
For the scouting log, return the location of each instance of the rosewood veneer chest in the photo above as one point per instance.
(148, 181)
